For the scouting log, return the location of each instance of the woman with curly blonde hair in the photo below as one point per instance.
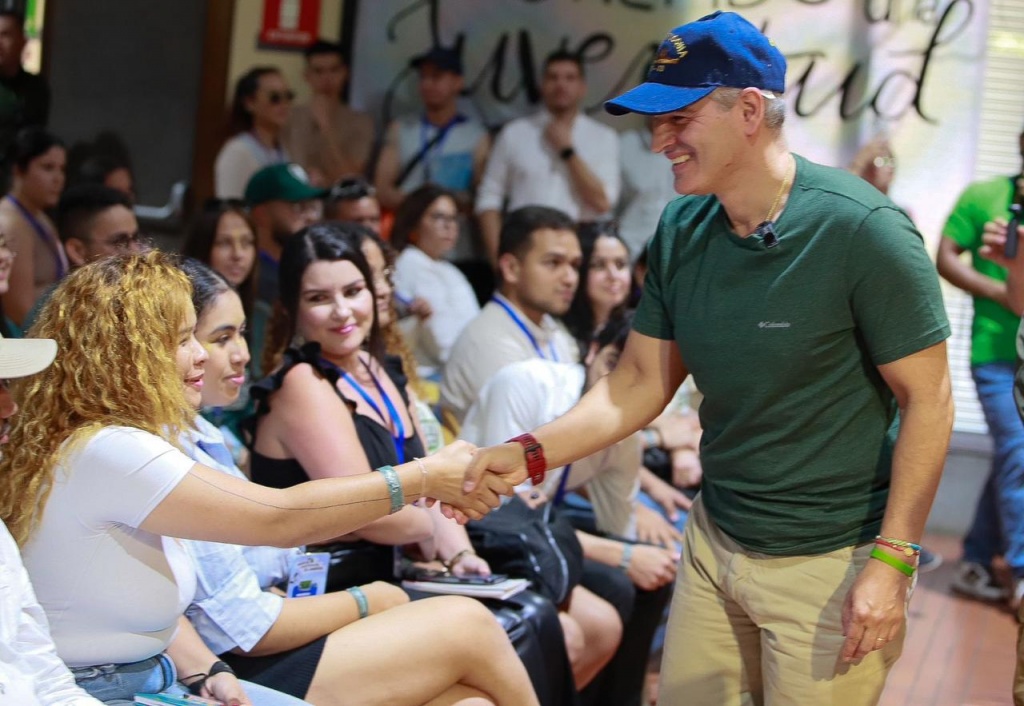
(95, 486)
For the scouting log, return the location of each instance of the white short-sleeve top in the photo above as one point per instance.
(113, 593)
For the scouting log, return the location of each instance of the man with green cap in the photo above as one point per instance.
(809, 313)
(281, 202)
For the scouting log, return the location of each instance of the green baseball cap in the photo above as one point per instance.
(281, 182)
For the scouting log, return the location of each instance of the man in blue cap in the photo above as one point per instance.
(805, 306)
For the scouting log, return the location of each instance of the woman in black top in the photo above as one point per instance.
(336, 405)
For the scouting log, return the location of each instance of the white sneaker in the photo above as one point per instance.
(974, 581)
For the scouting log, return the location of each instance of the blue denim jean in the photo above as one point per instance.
(117, 684)
(998, 526)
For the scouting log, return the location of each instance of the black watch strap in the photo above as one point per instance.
(567, 153)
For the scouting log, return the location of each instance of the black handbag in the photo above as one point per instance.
(536, 544)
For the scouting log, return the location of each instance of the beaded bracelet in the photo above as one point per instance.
(906, 551)
(894, 562)
(899, 542)
(361, 603)
(394, 487)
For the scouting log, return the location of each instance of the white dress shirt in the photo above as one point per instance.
(493, 340)
(31, 673)
(647, 187)
(449, 294)
(524, 168)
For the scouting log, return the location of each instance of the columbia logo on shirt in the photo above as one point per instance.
(773, 324)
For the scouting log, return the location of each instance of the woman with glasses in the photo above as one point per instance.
(259, 113)
(426, 229)
(38, 158)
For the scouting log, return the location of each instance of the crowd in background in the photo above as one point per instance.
(345, 303)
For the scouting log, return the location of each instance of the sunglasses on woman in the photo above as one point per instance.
(276, 97)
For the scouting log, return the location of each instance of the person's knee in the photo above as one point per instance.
(575, 641)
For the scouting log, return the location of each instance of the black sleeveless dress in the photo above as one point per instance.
(375, 438)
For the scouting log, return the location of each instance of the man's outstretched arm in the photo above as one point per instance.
(642, 384)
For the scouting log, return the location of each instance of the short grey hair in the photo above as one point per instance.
(774, 105)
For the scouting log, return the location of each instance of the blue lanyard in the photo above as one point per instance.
(442, 135)
(44, 235)
(522, 327)
(398, 437)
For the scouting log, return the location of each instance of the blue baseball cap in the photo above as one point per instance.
(722, 50)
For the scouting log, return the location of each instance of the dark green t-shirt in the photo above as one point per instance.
(994, 326)
(784, 342)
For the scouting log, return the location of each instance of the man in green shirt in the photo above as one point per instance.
(805, 306)
(998, 526)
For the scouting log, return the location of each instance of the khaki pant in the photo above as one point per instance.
(752, 629)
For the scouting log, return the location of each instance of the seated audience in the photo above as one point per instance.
(539, 259)
(98, 457)
(105, 161)
(526, 394)
(30, 670)
(259, 112)
(38, 168)
(337, 394)
(426, 229)
(223, 238)
(327, 137)
(605, 282)
(93, 221)
(323, 648)
(282, 202)
(353, 200)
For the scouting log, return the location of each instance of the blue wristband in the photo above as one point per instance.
(394, 487)
(361, 602)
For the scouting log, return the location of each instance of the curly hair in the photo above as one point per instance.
(117, 324)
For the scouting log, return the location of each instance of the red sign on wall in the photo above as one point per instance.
(290, 24)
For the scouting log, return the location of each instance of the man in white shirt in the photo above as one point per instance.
(556, 157)
(538, 263)
(31, 673)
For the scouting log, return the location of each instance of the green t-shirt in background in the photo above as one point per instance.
(995, 327)
(784, 342)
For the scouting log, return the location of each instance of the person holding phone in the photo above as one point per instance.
(998, 526)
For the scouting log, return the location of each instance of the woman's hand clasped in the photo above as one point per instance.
(445, 474)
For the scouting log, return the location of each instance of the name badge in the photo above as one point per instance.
(307, 575)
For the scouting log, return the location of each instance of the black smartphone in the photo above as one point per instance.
(441, 577)
(1012, 239)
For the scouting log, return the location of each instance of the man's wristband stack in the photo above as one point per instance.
(394, 487)
(894, 562)
(536, 464)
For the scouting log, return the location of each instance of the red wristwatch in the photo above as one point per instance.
(536, 464)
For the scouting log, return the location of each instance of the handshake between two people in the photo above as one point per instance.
(469, 481)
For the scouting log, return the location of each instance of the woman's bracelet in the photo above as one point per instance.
(451, 563)
(361, 602)
(627, 556)
(394, 487)
(423, 473)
